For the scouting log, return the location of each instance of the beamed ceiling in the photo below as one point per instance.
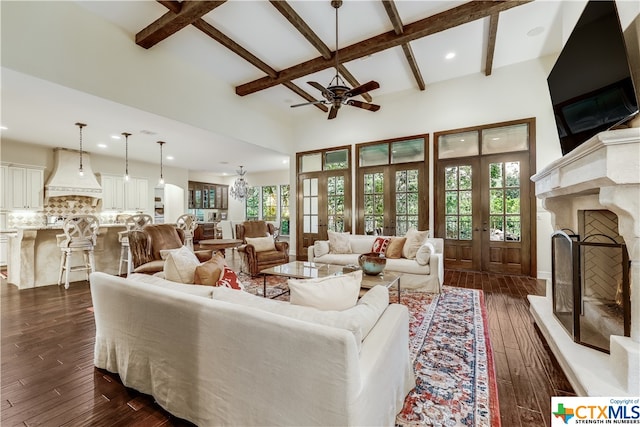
(268, 51)
(192, 12)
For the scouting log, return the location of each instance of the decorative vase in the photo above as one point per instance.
(372, 263)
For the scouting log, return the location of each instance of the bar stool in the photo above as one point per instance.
(132, 222)
(80, 234)
(188, 223)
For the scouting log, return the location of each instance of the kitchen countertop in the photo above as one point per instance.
(48, 227)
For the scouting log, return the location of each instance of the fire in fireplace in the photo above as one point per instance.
(590, 283)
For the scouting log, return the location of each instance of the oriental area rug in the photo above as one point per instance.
(451, 353)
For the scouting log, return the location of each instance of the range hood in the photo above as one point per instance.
(65, 179)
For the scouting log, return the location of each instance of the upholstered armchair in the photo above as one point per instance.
(258, 256)
(147, 244)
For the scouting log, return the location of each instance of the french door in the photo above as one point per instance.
(484, 207)
(392, 199)
(392, 186)
(324, 200)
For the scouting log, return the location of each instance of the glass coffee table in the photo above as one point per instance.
(313, 270)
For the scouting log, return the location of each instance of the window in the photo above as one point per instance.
(252, 206)
(270, 203)
(284, 210)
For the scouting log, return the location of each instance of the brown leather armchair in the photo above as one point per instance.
(256, 261)
(146, 244)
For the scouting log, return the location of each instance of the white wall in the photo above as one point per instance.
(65, 43)
(515, 92)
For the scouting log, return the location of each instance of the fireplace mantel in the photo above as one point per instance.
(602, 173)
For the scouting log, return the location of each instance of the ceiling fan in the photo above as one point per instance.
(338, 93)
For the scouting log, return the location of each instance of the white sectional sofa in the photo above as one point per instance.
(428, 277)
(217, 356)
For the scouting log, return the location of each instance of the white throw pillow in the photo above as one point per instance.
(370, 307)
(424, 254)
(320, 247)
(262, 244)
(326, 293)
(180, 265)
(415, 239)
(164, 253)
(339, 243)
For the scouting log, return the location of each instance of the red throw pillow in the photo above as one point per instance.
(229, 279)
(380, 245)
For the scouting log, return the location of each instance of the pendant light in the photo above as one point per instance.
(161, 182)
(126, 155)
(80, 170)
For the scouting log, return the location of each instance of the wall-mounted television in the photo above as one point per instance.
(590, 84)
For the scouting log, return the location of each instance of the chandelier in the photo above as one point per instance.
(240, 186)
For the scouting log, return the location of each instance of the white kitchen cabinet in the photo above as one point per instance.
(137, 194)
(25, 188)
(112, 192)
(4, 184)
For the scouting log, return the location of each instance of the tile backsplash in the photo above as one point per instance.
(58, 206)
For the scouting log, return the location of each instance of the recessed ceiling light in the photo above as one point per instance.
(4, 128)
(102, 145)
(535, 31)
(450, 55)
(115, 137)
(495, 139)
(147, 132)
(285, 161)
(170, 157)
(224, 163)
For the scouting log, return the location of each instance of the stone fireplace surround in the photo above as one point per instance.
(602, 173)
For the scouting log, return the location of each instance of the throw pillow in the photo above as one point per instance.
(229, 279)
(262, 244)
(180, 265)
(415, 239)
(208, 273)
(424, 254)
(394, 250)
(320, 248)
(380, 245)
(164, 253)
(339, 243)
(326, 293)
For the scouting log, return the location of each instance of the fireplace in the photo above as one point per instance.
(590, 283)
(600, 177)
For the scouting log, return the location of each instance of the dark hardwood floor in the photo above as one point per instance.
(48, 377)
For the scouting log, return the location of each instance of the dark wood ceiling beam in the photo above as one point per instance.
(491, 43)
(304, 29)
(173, 21)
(234, 47)
(463, 14)
(408, 53)
(396, 21)
(227, 42)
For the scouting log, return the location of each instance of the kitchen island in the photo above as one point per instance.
(34, 257)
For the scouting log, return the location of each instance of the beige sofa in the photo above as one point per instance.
(428, 277)
(217, 356)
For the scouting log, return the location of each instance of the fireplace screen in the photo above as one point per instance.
(591, 288)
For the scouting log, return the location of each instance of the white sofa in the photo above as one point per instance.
(429, 277)
(219, 360)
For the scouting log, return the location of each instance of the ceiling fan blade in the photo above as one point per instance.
(364, 105)
(332, 113)
(327, 94)
(309, 103)
(369, 86)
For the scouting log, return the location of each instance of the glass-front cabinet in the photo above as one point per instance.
(208, 196)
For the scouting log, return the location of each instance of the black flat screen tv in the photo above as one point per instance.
(590, 84)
